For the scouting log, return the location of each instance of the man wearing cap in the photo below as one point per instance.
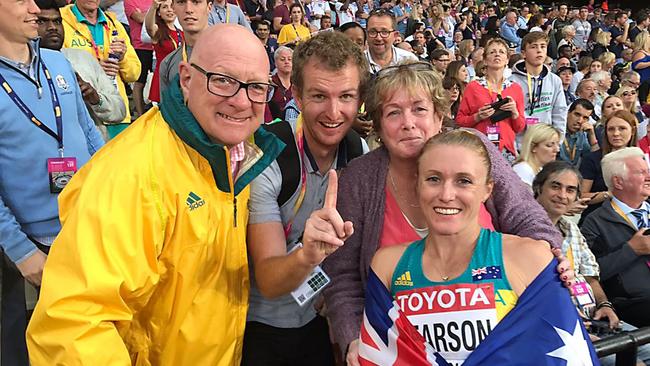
(566, 75)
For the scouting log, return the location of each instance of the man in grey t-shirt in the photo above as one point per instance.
(193, 17)
(328, 76)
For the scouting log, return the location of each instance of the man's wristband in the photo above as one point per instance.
(605, 304)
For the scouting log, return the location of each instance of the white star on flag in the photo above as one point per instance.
(575, 350)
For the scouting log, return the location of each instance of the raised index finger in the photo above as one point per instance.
(332, 189)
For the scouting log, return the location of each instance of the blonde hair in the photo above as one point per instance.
(603, 38)
(606, 60)
(568, 29)
(480, 69)
(413, 81)
(642, 42)
(464, 48)
(535, 135)
(462, 138)
(619, 93)
(494, 42)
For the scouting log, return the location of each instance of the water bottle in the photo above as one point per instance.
(113, 57)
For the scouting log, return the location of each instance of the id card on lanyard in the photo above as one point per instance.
(60, 169)
(493, 130)
(580, 290)
(534, 93)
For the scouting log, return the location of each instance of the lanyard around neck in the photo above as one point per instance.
(620, 212)
(92, 42)
(227, 11)
(300, 141)
(534, 96)
(179, 39)
(498, 90)
(569, 150)
(56, 107)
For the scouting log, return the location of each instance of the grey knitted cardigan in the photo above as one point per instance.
(361, 199)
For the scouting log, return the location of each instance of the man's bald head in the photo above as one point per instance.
(229, 55)
(226, 38)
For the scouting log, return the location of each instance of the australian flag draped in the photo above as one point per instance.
(543, 329)
(387, 336)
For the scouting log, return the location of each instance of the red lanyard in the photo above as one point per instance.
(92, 41)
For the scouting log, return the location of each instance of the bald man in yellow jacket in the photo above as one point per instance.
(150, 266)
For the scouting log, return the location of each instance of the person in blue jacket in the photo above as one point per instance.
(509, 30)
(46, 134)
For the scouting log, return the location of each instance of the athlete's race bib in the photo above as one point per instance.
(452, 318)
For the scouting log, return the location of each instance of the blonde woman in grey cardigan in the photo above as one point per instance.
(377, 193)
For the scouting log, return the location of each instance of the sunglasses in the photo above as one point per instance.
(381, 11)
(628, 93)
(416, 66)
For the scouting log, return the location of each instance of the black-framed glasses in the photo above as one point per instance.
(373, 33)
(226, 86)
(416, 66)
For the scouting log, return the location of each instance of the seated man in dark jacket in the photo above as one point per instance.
(615, 234)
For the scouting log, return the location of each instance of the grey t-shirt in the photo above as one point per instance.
(169, 66)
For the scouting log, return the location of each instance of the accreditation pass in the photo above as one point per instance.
(315, 282)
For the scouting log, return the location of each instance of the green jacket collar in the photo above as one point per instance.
(101, 18)
(181, 120)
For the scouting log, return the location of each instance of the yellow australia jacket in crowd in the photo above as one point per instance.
(77, 35)
(150, 266)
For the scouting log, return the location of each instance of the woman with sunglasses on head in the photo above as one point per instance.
(628, 95)
(476, 107)
(378, 191)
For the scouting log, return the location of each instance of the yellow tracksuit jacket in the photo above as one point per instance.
(77, 35)
(150, 267)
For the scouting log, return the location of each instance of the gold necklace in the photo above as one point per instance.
(392, 182)
(444, 278)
